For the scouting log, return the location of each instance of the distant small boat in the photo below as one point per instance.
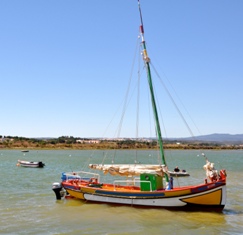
(30, 164)
(24, 151)
(178, 174)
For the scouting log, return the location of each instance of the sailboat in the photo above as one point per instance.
(146, 185)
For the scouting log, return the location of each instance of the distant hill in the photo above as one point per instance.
(226, 138)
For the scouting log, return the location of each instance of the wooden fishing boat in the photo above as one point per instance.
(146, 185)
(151, 192)
(30, 164)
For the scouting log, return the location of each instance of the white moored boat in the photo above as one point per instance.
(30, 164)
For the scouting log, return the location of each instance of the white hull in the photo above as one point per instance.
(29, 165)
(178, 174)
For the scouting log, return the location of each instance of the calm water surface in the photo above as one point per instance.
(28, 205)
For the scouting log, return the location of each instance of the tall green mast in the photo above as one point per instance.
(147, 61)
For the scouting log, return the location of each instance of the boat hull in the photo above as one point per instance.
(178, 174)
(203, 197)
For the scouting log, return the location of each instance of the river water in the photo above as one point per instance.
(28, 205)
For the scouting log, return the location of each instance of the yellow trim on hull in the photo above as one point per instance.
(88, 190)
(211, 198)
(177, 193)
(80, 194)
(76, 194)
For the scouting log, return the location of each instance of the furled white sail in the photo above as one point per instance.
(130, 169)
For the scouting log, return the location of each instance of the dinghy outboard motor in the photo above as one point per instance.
(41, 164)
(58, 190)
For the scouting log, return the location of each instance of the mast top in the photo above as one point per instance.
(141, 18)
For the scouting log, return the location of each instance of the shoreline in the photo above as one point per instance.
(29, 148)
(62, 143)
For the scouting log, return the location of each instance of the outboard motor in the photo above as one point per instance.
(41, 164)
(58, 190)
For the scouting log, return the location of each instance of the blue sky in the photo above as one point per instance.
(65, 65)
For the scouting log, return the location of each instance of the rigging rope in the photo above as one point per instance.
(174, 103)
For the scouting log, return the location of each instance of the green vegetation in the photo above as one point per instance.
(70, 142)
